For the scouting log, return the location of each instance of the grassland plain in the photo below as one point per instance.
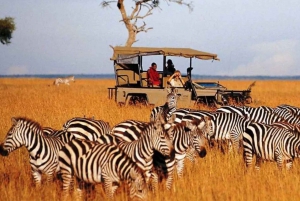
(215, 177)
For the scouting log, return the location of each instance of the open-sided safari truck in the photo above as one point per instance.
(132, 84)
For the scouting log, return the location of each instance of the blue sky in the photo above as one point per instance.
(251, 37)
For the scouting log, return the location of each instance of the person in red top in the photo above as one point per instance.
(153, 76)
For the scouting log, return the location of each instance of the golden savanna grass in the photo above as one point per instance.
(215, 177)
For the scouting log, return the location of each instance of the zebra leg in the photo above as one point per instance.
(68, 182)
(258, 162)
(179, 167)
(170, 171)
(37, 177)
(108, 186)
(154, 182)
(248, 157)
(289, 164)
(191, 154)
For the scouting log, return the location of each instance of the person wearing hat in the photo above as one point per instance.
(176, 80)
(170, 67)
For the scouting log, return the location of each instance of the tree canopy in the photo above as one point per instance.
(139, 11)
(7, 26)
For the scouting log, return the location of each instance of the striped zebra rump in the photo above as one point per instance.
(65, 80)
(93, 163)
(140, 140)
(270, 143)
(43, 151)
(289, 113)
(129, 130)
(226, 128)
(180, 113)
(86, 128)
(260, 114)
(60, 134)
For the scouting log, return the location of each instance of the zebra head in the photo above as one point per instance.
(172, 97)
(15, 137)
(160, 139)
(197, 138)
(208, 128)
(137, 184)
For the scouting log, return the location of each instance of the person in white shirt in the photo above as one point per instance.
(176, 80)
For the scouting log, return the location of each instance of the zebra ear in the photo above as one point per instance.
(14, 121)
(172, 119)
(191, 125)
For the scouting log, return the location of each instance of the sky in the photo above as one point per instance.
(251, 37)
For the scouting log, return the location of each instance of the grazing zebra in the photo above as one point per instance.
(93, 163)
(65, 80)
(168, 108)
(86, 128)
(43, 151)
(184, 136)
(289, 113)
(259, 114)
(226, 127)
(270, 143)
(140, 148)
(61, 134)
(180, 113)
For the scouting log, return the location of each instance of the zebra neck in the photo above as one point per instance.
(141, 148)
(34, 142)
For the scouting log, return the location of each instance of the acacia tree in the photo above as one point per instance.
(140, 10)
(7, 26)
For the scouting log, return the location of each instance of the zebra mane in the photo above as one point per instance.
(27, 121)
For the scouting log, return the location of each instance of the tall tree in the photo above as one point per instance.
(140, 10)
(7, 26)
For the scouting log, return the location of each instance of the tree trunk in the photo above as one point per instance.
(131, 32)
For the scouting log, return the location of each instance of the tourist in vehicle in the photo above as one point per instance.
(170, 69)
(153, 76)
(176, 80)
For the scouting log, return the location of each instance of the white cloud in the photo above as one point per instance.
(16, 70)
(271, 59)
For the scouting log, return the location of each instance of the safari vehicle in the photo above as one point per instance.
(132, 84)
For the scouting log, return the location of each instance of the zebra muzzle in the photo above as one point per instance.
(3, 152)
(202, 152)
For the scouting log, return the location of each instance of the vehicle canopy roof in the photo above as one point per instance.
(165, 51)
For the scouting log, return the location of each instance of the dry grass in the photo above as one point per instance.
(216, 177)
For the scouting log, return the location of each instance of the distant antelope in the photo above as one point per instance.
(65, 80)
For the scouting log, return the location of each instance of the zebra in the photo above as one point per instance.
(86, 128)
(61, 134)
(289, 113)
(65, 80)
(168, 108)
(270, 143)
(222, 127)
(259, 114)
(43, 150)
(183, 136)
(180, 113)
(92, 162)
(152, 136)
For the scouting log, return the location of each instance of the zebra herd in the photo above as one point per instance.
(269, 134)
(143, 153)
(93, 152)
